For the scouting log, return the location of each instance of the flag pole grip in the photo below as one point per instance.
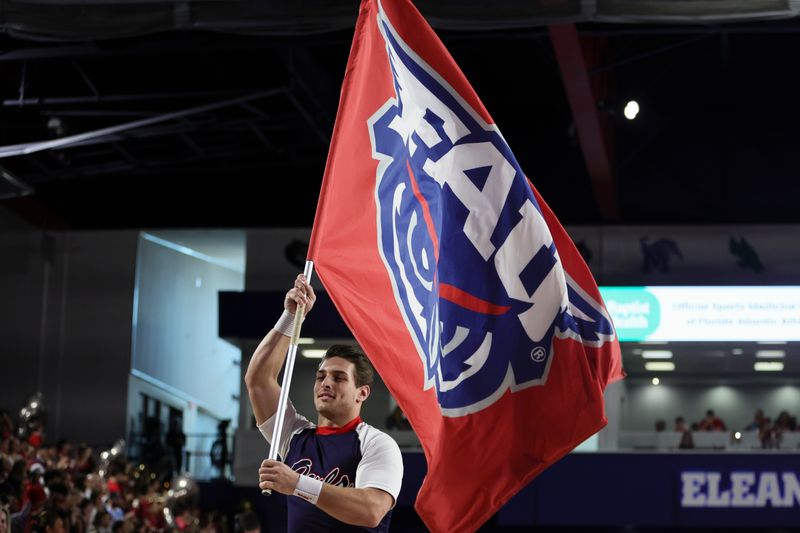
(287, 374)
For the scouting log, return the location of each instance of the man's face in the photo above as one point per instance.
(335, 390)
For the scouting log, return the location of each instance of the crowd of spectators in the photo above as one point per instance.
(769, 432)
(64, 488)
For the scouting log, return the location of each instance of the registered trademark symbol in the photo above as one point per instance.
(538, 354)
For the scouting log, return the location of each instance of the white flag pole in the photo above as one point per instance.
(287, 375)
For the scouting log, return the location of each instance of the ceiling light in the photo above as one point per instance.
(770, 354)
(656, 354)
(655, 381)
(768, 366)
(737, 351)
(659, 366)
(631, 109)
(306, 340)
(772, 342)
(312, 353)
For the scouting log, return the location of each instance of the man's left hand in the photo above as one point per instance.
(275, 475)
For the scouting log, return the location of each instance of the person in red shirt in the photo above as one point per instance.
(34, 488)
(712, 422)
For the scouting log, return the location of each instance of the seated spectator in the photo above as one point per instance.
(114, 507)
(245, 523)
(397, 420)
(687, 442)
(680, 424)
(19, 520)
(15, 480)
(767, 435)
(36, 437)
(78, 514)
(59, 497)
(711, 422)
(35, 493)
(758, 419)
(101, 522)
(5, 519)
(214, 522)
(150, 507)
(51, 522)
(785, 423)
(84, 462)
(94, 508)
(661, 425)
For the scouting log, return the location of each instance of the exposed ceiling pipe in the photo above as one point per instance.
(65, 142)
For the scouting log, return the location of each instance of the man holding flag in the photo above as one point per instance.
(342, 471)
(454, 275)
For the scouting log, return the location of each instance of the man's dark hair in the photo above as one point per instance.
(364, 372)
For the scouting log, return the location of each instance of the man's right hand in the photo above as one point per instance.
(301, 293)
(261, 377)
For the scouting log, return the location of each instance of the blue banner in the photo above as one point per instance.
(662, 490)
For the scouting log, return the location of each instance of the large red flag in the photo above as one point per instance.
(454, 275)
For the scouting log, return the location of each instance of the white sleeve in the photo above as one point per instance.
(292, 423)
(381, 465)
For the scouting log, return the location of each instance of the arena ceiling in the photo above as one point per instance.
(219, 114)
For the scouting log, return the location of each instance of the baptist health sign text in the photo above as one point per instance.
(740, 489)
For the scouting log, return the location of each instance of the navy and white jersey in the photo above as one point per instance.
(357, 455)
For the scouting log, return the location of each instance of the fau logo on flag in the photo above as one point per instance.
(473, 265)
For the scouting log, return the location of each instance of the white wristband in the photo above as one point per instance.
(285, 323)
(308, 488)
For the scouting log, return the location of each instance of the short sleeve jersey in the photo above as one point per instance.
(360, 457)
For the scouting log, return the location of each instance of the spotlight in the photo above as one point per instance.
(659, 366)
(631, 109)
(655, 381)
(56, 127)
(770, 354)
(656, 354)
(768, 366)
